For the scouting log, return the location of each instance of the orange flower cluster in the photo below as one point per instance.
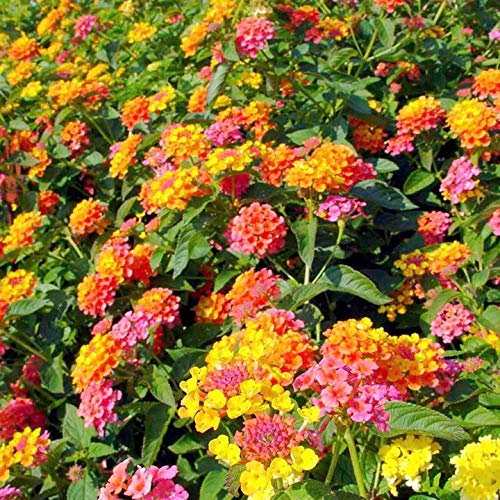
(251, 292)
(330, 167)
(123, 155)
(134, 111)
(245, 372)
(88, 217)
(114, 261)
(96, 293)
(471, 121)
(407, 362)
(16, 285)
(487, 84)
(21, 232)
(197, 101)
(182, 142)
(96, 360)
(40, 153)
(23, 48)
(159, 306)
(47, 201)
(211, 308)
(276, 162)
(74, 134)
(441, 262)
(27, 448)
(366, 136)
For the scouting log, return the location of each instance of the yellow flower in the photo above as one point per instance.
(303, 458)
(225, 451)
(215, 399)
(254, 480)
(309, 414)
(205, 419)
(31, 89)
(476, 470)
(141, 32)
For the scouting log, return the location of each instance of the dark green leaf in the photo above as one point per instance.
(157, 421)
(74, 429)
(307, 490)
(187, 443)
(97, 450)
(52, 375)
(24, 307)
(217, 81)
(160, 388)
(233, 479)
(381, 194)
(491, 318)
(300, 136)
(214, 482)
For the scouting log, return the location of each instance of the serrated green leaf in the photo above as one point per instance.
(417, 181)
(233, 479)
(217, 81)
(347, 280)
(157, 421)
(24, 307)
(97, 450)
(74, 429)
(381, 194)
(84, 489)
(408, 418)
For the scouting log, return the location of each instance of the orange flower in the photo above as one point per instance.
(21, 231)
(471, 121)
(88, 217)
(487, 84)
(134, 111)
(198, 101)
(96, 293)
(16, 285)
(123, 155)
(211, 309)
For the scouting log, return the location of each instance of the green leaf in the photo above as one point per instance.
(305, 232)
(298, 137)
(125, 208)
(480, 417)
(157, 257)
(97, 450)
(186, 444)
(180, 258)
(491, 318)
(381, 194)
(302, 294)
(217, 81)
(408, 418)
(214, 482)
(52, 375)
(199, 334)
(224, 277)
(419, 179)
(84, 489)
(307, 490)
(347, 280)
(160, 388)
(74, 429)
(18, 124)
(383, 166)
(385, 29)
(233, 479)
(157, 421)
(24, 307)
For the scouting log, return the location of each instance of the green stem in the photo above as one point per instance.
(351, 446)
(310, 218)
(72, 243)
(439, 12)
(341, 224)
(336, 447)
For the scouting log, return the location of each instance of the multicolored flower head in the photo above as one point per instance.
(433, 226)
(122, 155)
(452, 321)
(96, 293)
(460, 183)
(21, 232)
(257, 229)
(88, 217)
(14, 286)
(252, 33)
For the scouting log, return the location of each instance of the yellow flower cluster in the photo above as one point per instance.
(236, 159)
(16, 285)
(406, 459)
(141, 32)
(476, 470)
(24, 448)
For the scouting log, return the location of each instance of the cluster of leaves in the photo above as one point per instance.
(309, 82)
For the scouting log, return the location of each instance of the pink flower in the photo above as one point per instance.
(83, 26)
(235, 185)
(494, 222)
(223, 133)
(252, 34)
(140, 485)
(10, 493)
(451, 322)
(459, 182)
(97, 402)
(494, 34)
(336, 207)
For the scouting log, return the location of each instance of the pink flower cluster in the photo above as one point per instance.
(97, 402)
(252, 34)
(459, 181)
(452, 321)
(494, 222)
(153, 483)
(223, 133)
(83, 26)
(342, 386)
(257, 229)
(19, 414)
(10, 493)
(336, 207)
(433, 226)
